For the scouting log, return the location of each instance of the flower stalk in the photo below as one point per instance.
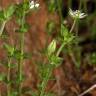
(73, 25)
(60, 49)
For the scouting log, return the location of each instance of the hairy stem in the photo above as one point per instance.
(73, 25)
(21, 62)
(2, 27)
(21, 57)
(60, 49)
(8, 78)
(45, 81)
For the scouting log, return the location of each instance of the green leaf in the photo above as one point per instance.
(19, 11)
(2, 16)
(92, 58)
(22, 9)
(55, 60)
(8, 12)
(13, 93)
(26, 6)
(50, 27)
(63, 30)
(51, 4)
(27, 55)
(66, 36)
(17, 54)
(23, 29)
(9, 49)
(18, 81)
(13, 65)
(2, 76)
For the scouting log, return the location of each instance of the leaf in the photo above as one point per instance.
(25, 90)
(50, 27)
(27, 56)
(17, 80)
(51, 5)
(66, 36)
(17, 54)
(26, 6)
(23, 29)
(9, 49)
(54, 60)
(13, 65)
(2, 76)
(9, 11)
(19, 11)
(92, 58)
(2, 16)
(13, 93)
(63, 30)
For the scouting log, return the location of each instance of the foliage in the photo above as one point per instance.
(67, 40)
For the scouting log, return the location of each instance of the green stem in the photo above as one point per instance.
(2, 27)
(60, 49)
(21, 62)
(21, 57)
(45, 81)
(59, 9)
(8, 77)
(73, 25)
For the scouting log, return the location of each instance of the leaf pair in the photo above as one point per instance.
(67, 37)
(7, 13)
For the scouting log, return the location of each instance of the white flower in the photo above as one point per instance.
(33, 5)
(77, 14)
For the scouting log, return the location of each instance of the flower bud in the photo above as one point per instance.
(52, 47)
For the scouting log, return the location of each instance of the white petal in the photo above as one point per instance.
(32, 6)
(71, 12)
(37, 5)
(83, 16)
(82, 13)
(77, 14)
(32, 3)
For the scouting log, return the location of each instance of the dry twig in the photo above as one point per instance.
(88, 90)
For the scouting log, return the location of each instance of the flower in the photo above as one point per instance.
(33, 5)
(77, 14)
